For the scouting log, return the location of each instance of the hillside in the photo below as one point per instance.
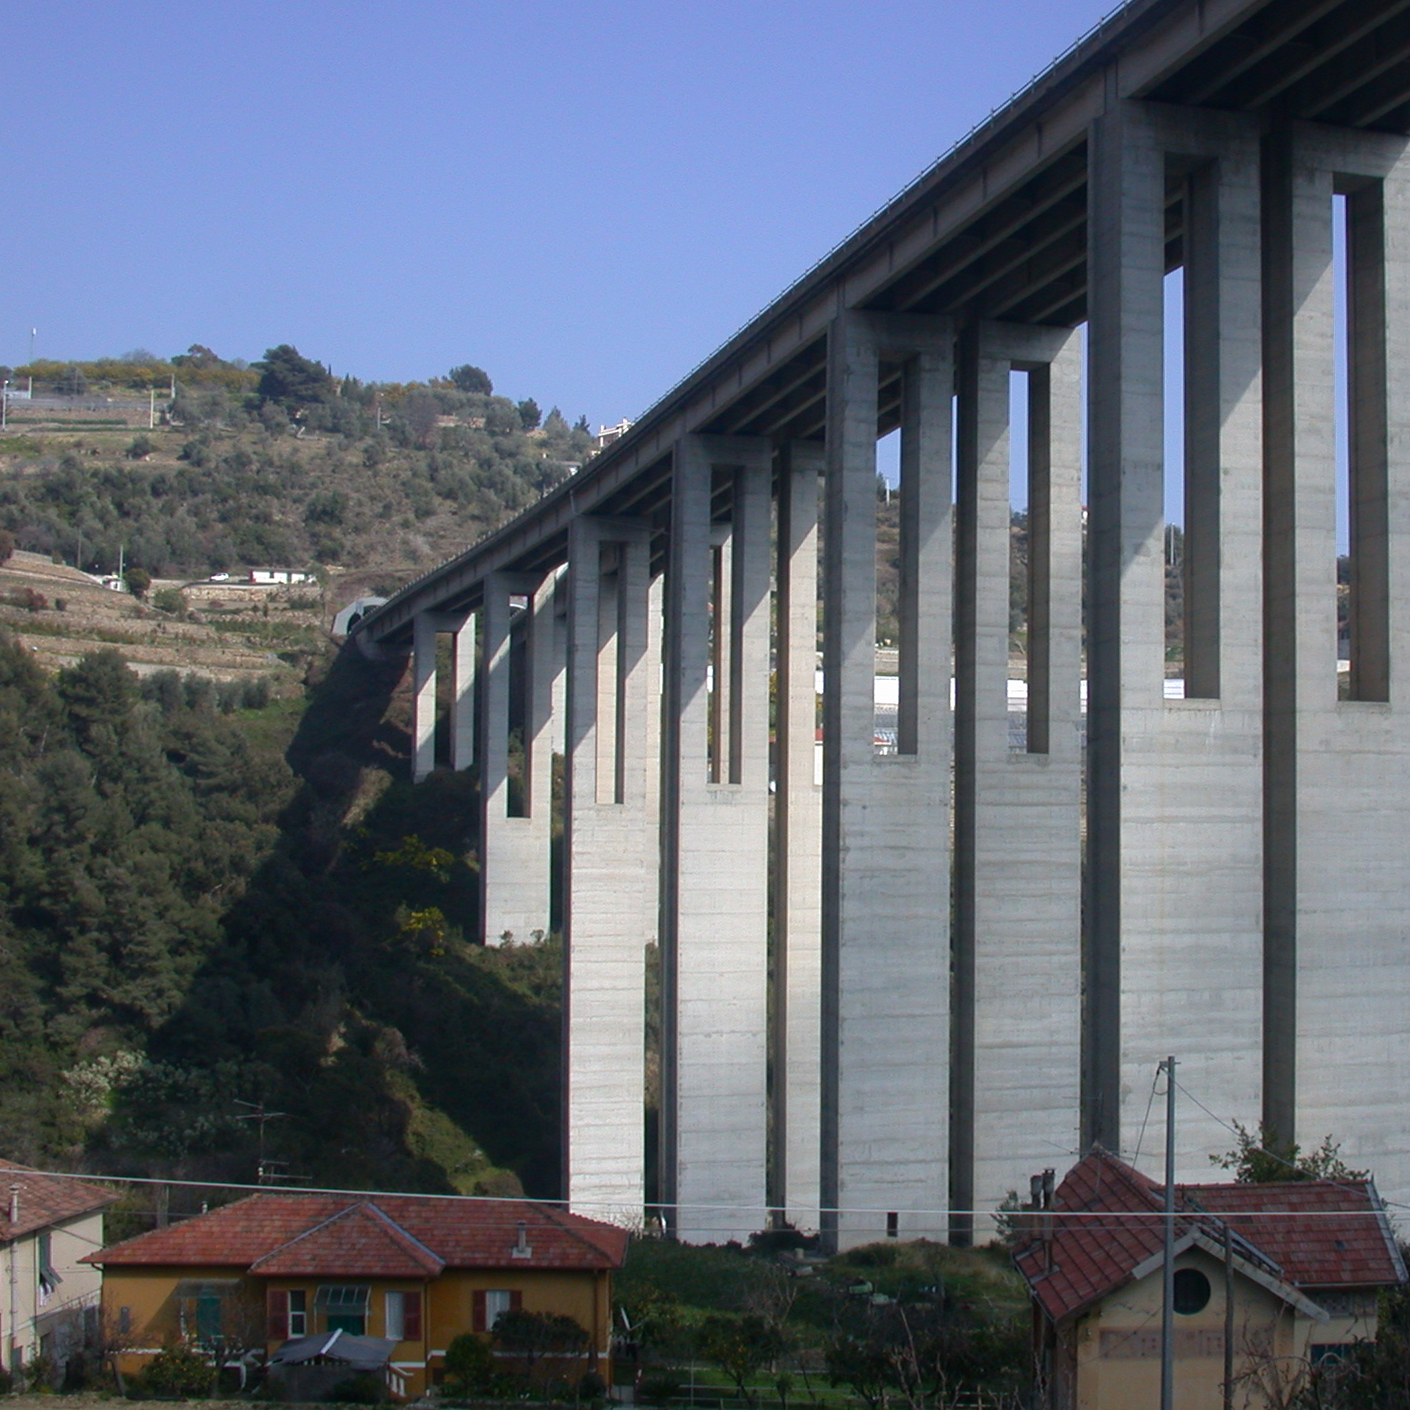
(214, 898)
(374, 480)
(219, 886)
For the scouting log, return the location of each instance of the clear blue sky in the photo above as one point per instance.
(583, 198)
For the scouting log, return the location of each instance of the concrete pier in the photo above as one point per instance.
(715, 812)
(1338, 772)
(1175, 825)
(462, 708)
(797, 844)
(611, 860)
(515, 833)
(1015, 1058)
(886, 819)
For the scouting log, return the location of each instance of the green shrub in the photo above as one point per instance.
(169, 600)
(661, 1385)
(177, 1371)
(365, 1388)
(470, 1362)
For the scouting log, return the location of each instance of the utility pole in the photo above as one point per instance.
(1167, 1311)
(14, 1280)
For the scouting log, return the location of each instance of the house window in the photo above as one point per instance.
(403, 1316)
(344, 1307)
(288, 1314)
(202, 1307)
(48, 1278)
(1191, 1291)
(493, 1303)
(208, 1318)
(1330, 1351)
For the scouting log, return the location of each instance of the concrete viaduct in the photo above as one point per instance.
(897, 992)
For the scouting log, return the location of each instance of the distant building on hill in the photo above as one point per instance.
(267, 577)
(607, 434)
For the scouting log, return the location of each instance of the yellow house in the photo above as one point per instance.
(48, 1296)
(384, 1283)
(1269, 1280)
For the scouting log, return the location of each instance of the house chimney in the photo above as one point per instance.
(521, 1247)
(14, 1205)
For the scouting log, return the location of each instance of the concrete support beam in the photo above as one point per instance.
(462, 707)
(515, 831)
(1338, 772)
(426, 627)
(886, 819)
(423, 696)
(715, 812)
(1174, 942)
(611, 860)
(797, 847)
(1018, 825)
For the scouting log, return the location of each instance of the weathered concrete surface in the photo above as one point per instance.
(1175, 957)
(797, 844)
(1018, 824)
(514, 846)
(715, 804)
(886, 820)
(611, 861)
(462, 705)
(1339, 770)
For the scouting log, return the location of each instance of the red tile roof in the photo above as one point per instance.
(43, 1200)
(289, 1234)
(1343, 1241)
(360, 1242)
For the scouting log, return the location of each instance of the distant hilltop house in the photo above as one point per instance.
(321, 1286)
(48, 1297)
(607, 434)
(1269, 1281)
(268, 577)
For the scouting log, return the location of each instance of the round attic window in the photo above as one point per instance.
(1191, 1291)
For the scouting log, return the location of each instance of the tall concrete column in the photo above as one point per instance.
(426, 627)
(1338, 773)
(423, 695)
(462, 709)
(797, 848)
(514, 842)
(886, 819)
(1018, 825)
(1175, 846)
(610, 865)
(714, 812)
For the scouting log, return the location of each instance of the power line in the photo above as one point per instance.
(633, 1212)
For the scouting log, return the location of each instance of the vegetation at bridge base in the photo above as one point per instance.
(916, 1324)
(212, 899)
